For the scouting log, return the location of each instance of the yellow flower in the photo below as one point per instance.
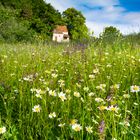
(102, 108)
(73, 121)
(113, 109)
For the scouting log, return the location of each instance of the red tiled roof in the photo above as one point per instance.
(60, 29)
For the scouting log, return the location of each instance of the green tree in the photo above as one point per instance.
(110, 34)
(75, 22)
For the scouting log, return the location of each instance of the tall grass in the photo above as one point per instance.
(63, 93)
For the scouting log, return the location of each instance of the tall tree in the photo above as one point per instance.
(75, 22)
(110, 35)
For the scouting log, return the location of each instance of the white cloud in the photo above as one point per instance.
(108, 15)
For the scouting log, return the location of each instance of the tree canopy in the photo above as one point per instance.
(75, 22)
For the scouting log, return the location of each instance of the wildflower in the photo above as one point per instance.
(126, 96)
(136, 104)
(135, 88)
(52, 93)
(102, 127)
(113, 139)
(95, 71)
(102, 108)
(52, 115)
(62, 96)
(124, 123)
(2, 130)
(78, 85)
(68, 91)
(101, 87)
(61, 82)
(82, 99)
(115, 87)
(112, 108)
(91, 76)
(54, 75)
(108, 65)
(109, 98)
(99, 100)
(86, 89)
(73, 121)
(48, 72)
(61, 125)
(36, 108)
(38, 95)
(76, 94)
(91, 94)
(76, 127)
(89, 129)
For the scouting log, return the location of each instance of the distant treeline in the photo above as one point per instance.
(34, 20)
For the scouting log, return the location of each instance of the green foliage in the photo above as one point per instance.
(96, 84)
(110, 35)
(75, 22)
(11, 29)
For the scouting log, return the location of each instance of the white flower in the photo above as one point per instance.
(135, 88)
(112, 108)
(116, 86)
(36, 108)
(91, 76)
(96, 71)
(52, 115)
(76, 94)
(2, 130)
(54, 75)
(126, 96)
(38, 95)
(61, 125)
(76, 127)
(89, 129)
(62, 96)
(99, 100)
(86, 89)
(91, 94)
(52, 93)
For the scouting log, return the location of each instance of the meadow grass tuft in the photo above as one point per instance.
(62, 93)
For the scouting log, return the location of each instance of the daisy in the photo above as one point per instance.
(36, 108)
(135, 88)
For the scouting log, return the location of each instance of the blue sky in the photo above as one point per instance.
(123, 14)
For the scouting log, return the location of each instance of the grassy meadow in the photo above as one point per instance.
(63, 92)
